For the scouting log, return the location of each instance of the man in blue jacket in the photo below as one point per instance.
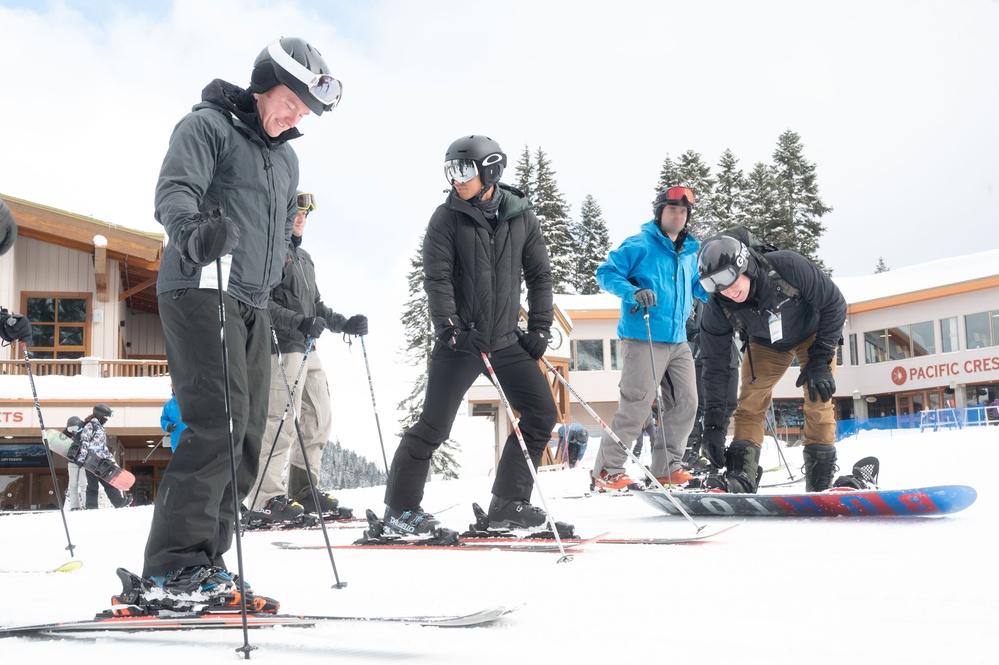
(655, 271)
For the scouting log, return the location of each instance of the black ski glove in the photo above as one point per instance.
(356, 325)
(713, 439)
(645, 297)
(818, 375)
(312, 326)
(171, 427)
(466, 339)
(14, 327)
(211, 236)
(535, 342)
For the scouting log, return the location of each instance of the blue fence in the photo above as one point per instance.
(972, 416)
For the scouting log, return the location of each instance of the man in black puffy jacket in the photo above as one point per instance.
(478, 245)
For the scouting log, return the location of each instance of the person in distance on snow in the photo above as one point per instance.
(655, 269)
(299, 317)
(478, 246)
(94, 441)
(170, 420)
(228, 185)
(13, 327)
(575, 444)
(789, 309)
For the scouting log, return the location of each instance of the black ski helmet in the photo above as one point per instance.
(102, 412)
(73, 424)
(293, 62)
(489, 158)
(721, 261)
(667, 195)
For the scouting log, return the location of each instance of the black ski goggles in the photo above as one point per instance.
(306, 202)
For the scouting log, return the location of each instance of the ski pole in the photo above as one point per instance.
(246, 648)
(284, 416)
(45, 442)
(371, 387)
(527, 454)
(770, 421)
(305, 458)
(617, 440)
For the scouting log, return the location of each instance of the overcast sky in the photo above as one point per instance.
(895, 101)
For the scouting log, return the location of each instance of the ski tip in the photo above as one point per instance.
(68, 567)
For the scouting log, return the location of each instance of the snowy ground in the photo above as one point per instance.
(771, 591)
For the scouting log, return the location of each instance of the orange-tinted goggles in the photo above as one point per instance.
(679, 193)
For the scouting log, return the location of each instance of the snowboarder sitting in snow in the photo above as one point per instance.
(789, 309)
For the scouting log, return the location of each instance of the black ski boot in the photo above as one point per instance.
(190, 589)
(300, 490)
(515, 514)
(820, 466)
(742, 464)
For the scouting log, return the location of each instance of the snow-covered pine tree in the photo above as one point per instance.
(799, 207)
(525, 174)
(342, 469)
(730, 200)
(881, 266)
(419, 332)
(761, 205)
(553, 214)
(592, 242)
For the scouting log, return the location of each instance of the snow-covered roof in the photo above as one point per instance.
(894, 282)
(919, 277)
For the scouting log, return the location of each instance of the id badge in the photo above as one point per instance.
(209, 274)
(776, 331)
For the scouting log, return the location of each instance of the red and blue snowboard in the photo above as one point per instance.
(918, 502)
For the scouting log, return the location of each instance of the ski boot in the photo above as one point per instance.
(277, 511)
(515, 514)
(300, 489)
(742, 470)
(424, 528)
(189, 589)
(819, 467)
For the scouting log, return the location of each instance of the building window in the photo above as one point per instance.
(854, 358)
(587, 355)
(980, 329)
(874, 347)
(617, 362)
(58, 325)
(949, 335)
(923, 342)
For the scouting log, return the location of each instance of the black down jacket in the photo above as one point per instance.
(473, 271)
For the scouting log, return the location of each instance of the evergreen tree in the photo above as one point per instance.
(553, 214)
(731, 197)
(525, 174)
(342, 469)
(881, 266)
(761, 204)
(799, 207)
(593, 243)
(419, 332)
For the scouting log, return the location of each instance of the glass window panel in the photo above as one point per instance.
(978, 330)
(615, 351)
(854, 358)
(70, 336)
(71, 355)
(874, 347)
(588, 355)
(923, 343)
(72, 310)
(949, 335)
(42, 335)
(41, 310)
(898, 343)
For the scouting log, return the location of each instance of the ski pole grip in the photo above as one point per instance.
(634, 309)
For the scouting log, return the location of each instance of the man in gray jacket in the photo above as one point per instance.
(299, 316)
(227, 185)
